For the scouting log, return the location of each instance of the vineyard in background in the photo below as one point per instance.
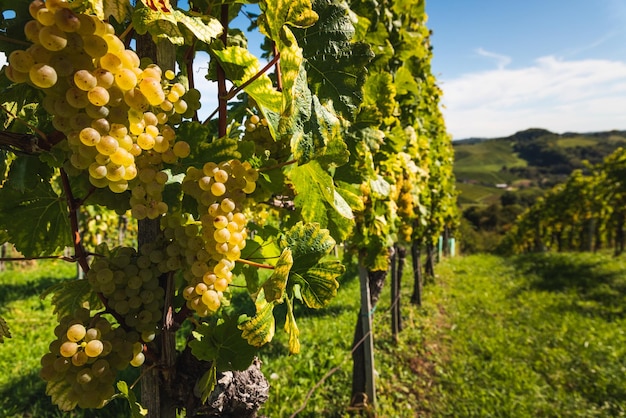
(194, 235)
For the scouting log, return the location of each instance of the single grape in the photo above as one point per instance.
(43, 75)
(75, 333)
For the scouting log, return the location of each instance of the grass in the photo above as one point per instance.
(532, 336)
(539, 335)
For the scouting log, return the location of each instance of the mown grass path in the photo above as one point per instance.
(535, 336)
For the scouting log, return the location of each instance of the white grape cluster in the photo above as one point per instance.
(253, 122)
(83, 361)
(207, 250)
(130, 283)
(113, 112)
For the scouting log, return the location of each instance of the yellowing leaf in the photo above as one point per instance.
(274, 287)
(260, 329)
(292, 330)
(319, 285)
(240, 66)
(277, 13)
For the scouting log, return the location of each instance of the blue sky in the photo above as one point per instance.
(505, 66)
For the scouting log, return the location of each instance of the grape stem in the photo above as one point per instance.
(279, 77)
(73, 205)
(254, 264)
(234, 91)
(14, 41)
(48, 257)
(280, 165)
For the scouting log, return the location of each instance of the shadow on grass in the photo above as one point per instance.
(26, 397)
(599, 283)
(10, 292)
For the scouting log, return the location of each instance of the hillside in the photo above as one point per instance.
(526, 161)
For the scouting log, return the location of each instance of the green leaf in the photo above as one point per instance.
(336, 65)
(318, 285)
(316, 195)
(274, 287)
(70, 295)
(42, 227)
(308, 244)
(380, 93)
(4, 330)
(119, 9)
(222, 344)
(136, 410)
(260, 329)
(205, 385)
(292, 329)
(59, 392)
(27, 173)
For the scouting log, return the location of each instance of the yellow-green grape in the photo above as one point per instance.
(43, 75)
(21, 60)
(126, 79)
(152, 90)
(98, 96)
(68, 349)
(85, 80)
(66, 20)
(76, 333)
(52, 38)
(95, 46)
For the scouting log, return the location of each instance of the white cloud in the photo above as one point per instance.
(501, 60)
(555, 94)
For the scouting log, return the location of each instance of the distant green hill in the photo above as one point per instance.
(526, 161)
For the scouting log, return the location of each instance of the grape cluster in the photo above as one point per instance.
(130, 283)
(206, 251)
(253, 122)
(113, 112)
(82, 363)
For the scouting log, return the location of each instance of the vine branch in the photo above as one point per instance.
(254, 264)
(73, 207)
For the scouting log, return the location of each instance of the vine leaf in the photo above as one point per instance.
(292, 330)
(4, 330)
(165, 25)
(222, 344)
(59, 391)
(136, 410)
(318, 199)
(205, 385)
(240, 66)
(261, 328)
(42, 227)
(337, 66)
(277, 13)
(70, 295)
(119, 9)
(274, 287)
(318, 285)
(314, 276)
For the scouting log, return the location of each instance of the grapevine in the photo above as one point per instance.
(334, 140)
